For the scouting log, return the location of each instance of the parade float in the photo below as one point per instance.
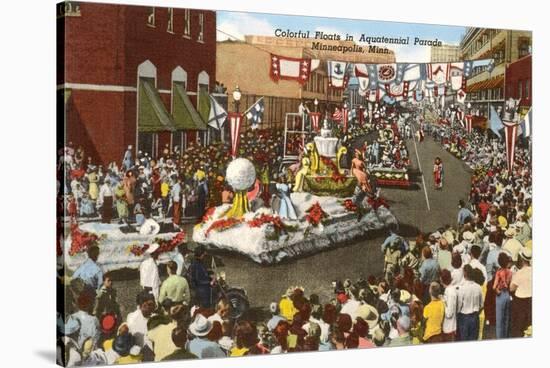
(117, 249)
(268, 235)
(387, 173)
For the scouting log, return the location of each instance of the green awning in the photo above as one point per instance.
(153, 116)
(185, 115)
(204, 103)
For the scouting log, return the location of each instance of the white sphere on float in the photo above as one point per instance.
(241, 174)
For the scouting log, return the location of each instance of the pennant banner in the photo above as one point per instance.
(468, 121)
(315, 118)
(337, 74)
(510, 132)
(235, 120)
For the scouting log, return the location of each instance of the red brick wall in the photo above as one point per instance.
(517, 71)
(105, 46)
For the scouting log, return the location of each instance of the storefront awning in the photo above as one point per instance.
(152, 115)
(185, 115)
(496, 82)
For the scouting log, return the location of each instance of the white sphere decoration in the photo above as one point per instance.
(241, 174)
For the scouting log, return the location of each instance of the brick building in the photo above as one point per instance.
(518, 83)
(134, 75)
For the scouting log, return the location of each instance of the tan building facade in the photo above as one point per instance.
(247, 64)
(486, 88)
(445, 54)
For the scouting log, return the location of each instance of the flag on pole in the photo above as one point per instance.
(495, 122)
(217, 114)
(468, 120)
(337, 115)
(315, 117)
(460, 96)
(526, 124)
(511, 132)
(235, 120)
(345, 117)
(255, 113)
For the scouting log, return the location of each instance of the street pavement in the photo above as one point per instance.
(315, 272)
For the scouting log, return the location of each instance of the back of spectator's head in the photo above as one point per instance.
(344, 322)
(467, 269)
(352, 341)
(179, 337)
(456, 260)
(274, 308)
(361, 327)
(329, 313)
(475, 251)
(403, 324)
(93, 252)
(427, 252)
(435, 290)
(172, 267)
(378, 336)
(85, 300)
(446, 278)
(503, 259)
(246, 334)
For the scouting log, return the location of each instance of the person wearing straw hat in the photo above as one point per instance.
(521, 287)
(200, 345)
(511, 244)
(149, 278)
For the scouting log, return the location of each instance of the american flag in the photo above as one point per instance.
(337, 115)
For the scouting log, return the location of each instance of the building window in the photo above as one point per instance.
(520, 89)
(524, 48)
(170, 27)
(200, 37)
(527, 88)
(187, 23)
(68, 9)
(151, 17)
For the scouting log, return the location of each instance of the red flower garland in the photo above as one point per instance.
(336, 176)
(350, 206)
(81, 240)
(267, 219)
(164, 245)
(375, 203)
(315, 214)
(209, 212)
(222, 224)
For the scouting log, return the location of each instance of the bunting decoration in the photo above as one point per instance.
(296, 69)
(315, 117)
(337, 74)
(345, 117)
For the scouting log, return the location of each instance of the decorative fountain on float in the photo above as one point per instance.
(325, 175)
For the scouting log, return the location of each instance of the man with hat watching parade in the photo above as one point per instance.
(200, 345)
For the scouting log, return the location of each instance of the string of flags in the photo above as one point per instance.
(390, 82)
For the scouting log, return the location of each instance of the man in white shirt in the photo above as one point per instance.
(521, 286)
(137, 320)
(469, 304)
(475, 253)
(148, 271)
(450, 298)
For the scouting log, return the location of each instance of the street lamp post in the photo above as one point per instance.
(316, 102)
(237, 98)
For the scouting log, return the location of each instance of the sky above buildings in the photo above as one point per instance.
(238, 24)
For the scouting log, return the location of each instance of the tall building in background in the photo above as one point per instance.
(445, 53)
(247, 64)
(484, 87)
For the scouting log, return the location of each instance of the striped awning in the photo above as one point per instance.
(496, 82)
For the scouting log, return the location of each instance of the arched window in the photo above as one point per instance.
(145, 141)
